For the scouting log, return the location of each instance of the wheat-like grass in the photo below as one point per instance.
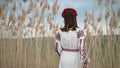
(14, 7)
(30, 8)
(38, 52)
(24, 0)
(55, 7)
(99, 2)
(47, 5)
(100, 17)
(113, 1)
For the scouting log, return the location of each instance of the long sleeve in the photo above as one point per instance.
(83, 48)
(58, 47)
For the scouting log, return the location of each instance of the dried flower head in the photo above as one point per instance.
(93, 26)
(85, 20)
(47, 5)
(107, 15)
(14, 33)
(99, 2)
(113, 1)
(99, 18)
(113, 23)
(36, 13)
(29, 9)
(55, 7)
(85, 26)
(41, 19)
(92, 17)
(14, 7)
(41, 3)
(31, 24)
(24, 0)
(118, 13)
(23, 17)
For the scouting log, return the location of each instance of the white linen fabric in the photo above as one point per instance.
(71, 40)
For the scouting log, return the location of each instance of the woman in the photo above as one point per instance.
(70, 44)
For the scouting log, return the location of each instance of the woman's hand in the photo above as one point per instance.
(85, 62)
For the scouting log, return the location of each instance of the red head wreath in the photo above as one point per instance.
(73, 10)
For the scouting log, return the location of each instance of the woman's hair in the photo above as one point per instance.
(69, 21)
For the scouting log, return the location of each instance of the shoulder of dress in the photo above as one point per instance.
(59, 31)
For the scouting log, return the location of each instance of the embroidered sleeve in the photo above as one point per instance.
(83, 47)
(57, 43)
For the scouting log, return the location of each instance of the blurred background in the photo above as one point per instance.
(28, 29)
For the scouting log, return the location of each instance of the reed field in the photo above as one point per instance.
(26, 43)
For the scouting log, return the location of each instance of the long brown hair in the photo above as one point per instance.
(69, 21)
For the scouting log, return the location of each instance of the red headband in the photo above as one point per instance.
(73, 10)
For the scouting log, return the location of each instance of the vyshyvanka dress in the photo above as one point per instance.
(71, 48)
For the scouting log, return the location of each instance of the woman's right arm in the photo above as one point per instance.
(58, 48)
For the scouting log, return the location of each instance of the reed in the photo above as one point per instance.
(30, 45)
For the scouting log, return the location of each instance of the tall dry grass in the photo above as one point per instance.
(38, 52)
(28, 53)
(103, 49)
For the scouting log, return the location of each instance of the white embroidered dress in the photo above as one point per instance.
(71, 40)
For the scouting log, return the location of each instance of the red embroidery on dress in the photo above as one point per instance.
(58, 36)
(84, 52)
(80, 33)
(83, 49)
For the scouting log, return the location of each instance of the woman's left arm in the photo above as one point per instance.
(83, 48)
